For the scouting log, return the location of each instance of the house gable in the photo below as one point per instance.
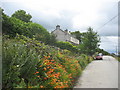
(64, 35)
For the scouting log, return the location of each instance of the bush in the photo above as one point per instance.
(67, 45)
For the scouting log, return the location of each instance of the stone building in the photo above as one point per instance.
(64, 36)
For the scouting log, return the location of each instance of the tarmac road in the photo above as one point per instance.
(100, 74)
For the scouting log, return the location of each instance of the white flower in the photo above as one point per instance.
(17, 65)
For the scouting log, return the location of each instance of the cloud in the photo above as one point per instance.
(109, 43)
(109, 30)
(63, 18)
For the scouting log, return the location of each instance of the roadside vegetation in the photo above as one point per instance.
(33, 58)
(118, 56)
(29, 63)
(119, 59)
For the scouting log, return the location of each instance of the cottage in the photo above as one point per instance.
(64, 36)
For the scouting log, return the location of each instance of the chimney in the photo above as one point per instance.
(66, 30)
(58, 27)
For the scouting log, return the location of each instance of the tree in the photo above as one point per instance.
(21, 14)
(89, 43)
(77, 35)
(51, 39)
(12, 25)
(5, 24)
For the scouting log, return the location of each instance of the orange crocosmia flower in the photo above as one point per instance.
(47, 63)
(52, 60)
(52, 70)
(41, 86)
(37, 72)
(57, 75)
(58, 80)
(48, 72)
(40, 66)
(65, 81)
(48, 67)
(45, 68)
(38, 76)
(55, 87)
(45, 78)
(46, 60)
(29, 86)
(54, 80)
(48, 56)
(61, 83)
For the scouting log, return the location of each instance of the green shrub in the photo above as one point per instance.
(67, 45)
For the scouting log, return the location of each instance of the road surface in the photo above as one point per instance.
(100, 74)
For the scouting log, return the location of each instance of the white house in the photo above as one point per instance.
(64, 35)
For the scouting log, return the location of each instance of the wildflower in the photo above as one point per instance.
(51, 70)
(48, 56)
(45, 78)
(61, 83)
(45, 57)
(72, 80)
(52, 60)
(65, 81)
(17, 65)
(41, 86)
(40, 66)
(29, 86)
(48, 67)
(54, 80)
(38, 76)
(57, 75)
(37, 72)
(45, 68)
(46, 60)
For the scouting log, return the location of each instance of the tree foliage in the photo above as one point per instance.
(21, 14)
(90, 40)
(77, 35)
(15, 25)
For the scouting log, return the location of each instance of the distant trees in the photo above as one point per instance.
(103, 51)
(21, 14)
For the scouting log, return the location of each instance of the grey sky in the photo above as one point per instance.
(72, 15)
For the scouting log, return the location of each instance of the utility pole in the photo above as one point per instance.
(116, 50)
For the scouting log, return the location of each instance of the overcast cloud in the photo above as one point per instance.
(72, 15)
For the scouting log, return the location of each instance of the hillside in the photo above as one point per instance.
(33, 58)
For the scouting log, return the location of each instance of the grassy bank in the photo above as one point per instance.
(28, 63)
